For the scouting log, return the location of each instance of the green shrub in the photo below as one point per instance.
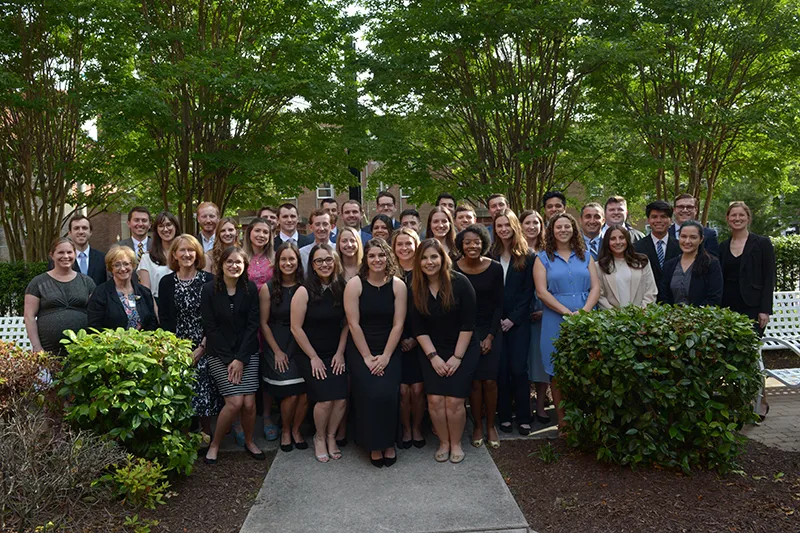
(663, 385)
(14, 277)
(23, 374)
(139, 482)
(787, 260)
(135, 386)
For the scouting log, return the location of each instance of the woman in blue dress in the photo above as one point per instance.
(566, 283)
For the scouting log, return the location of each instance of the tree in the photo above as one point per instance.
(230, 101)
(476, 97)
(694, 81)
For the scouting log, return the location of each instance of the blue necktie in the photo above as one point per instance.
(593, 247)
(82, 263)
(660, 252)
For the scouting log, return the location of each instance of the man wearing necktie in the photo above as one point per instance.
(659, 246)
(592, 221)
(90, 261)
(686, 208)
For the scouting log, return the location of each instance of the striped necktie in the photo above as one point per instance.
(660, 253)
(140, 251)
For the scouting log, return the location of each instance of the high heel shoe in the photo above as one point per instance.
(389, 461)
(406, 444)
(477, 443)
(377, 462)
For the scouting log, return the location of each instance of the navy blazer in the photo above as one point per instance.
(757, 271)
(96, 268)
(302, 240)
(710, 241)
(646, 246)
(518, 291)
(704, 289)
(230, 335)
(105, 311)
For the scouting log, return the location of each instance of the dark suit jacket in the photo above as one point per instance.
(129, 243)
(710, 241)
(229, 335)
(96, 269)
(302, 240)
(646, 246)
(518, 292)
(106, 312)
(757, 271)
(704, 289)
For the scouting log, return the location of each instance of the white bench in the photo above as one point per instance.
(782, 332)
(12, 329)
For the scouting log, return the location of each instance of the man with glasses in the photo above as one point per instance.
(387, 205)
(686, 208)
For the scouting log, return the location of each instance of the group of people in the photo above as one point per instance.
(375, 323)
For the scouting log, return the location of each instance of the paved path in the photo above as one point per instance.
(415, 495)
(781, 428)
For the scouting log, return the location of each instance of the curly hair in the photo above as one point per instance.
(391, 263)
(519, 246)
(277, 281)
(419, 281)
(576, 242)
(158, 254)
(312, 282)
(480, 231)
(219, 279)
(605, 258)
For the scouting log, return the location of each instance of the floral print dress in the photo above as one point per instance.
(189, 325)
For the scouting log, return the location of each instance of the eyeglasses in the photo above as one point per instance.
(684, 207)
(234, 262)
(386, 204)
(117, 266)
(323, 261)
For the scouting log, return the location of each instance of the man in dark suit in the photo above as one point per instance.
(89, 261)
(616, 212)
(658, 245)
(139, 225)
(287, 222)
(686, 208)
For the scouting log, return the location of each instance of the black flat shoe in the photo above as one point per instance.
(543, 419)
(506, 429)
(287, 447)
(208, 461)
(257, 456)
(389, 461)
(300, 445)
(341, 443)
(419, 443)
(377, 462)
(406, 444)
(524, 431)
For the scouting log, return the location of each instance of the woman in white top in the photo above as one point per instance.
(626, 277)
(154, 264)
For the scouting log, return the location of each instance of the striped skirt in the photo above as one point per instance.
(250, 377)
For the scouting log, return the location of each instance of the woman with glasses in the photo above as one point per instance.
(320, 334)
(121, 302)
(154, 264)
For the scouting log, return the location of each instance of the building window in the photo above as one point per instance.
(325, 191)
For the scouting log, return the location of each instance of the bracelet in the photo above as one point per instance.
(431, 355)
(457, 357)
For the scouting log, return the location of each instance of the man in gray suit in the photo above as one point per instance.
(139, 224)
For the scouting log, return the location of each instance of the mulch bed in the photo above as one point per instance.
(781, 359)
(577, 493)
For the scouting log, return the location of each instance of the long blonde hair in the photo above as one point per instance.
(219, 246)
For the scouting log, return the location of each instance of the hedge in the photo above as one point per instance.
(665, 385)
(14, 277)
(787, 259)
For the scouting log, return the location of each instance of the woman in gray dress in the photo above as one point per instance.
(56, 300)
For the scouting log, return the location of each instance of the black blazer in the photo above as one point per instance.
(518, 291)
(710, 241)
(704, 289)
(229, 335)
(757, 271)
(97, 266)
(302, 240)
(106, 312)
(646, 246)
(167, 315)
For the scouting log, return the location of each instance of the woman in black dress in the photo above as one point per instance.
(279, 370)
(511, 249)
(179, 312)
(486, 277)
(443, 319)
(412, 391)
(320, 334)
(229, 306)
(375, 304)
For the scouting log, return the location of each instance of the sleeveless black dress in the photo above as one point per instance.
(412, 371)
(376, 397)
(323, 326)
(291, 382)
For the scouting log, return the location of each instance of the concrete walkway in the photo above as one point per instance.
(781, 428)
(415, 495)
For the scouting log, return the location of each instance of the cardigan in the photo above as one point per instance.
(757, 271)
(105, 311)
(704, 289)
(643, 287)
